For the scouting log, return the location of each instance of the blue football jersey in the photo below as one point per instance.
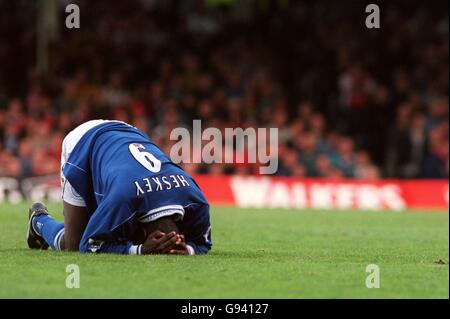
(125, 180)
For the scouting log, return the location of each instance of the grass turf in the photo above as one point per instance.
(257, 254)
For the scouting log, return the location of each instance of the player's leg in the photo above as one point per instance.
(75, 221)
(75, 216)
(43, 230)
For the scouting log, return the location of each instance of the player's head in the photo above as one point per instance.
(163, 224)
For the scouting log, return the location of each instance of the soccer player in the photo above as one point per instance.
(121, 194)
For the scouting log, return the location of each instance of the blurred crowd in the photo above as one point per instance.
(349, 102)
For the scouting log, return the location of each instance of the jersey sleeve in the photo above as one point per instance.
(99, 246)
(109, 230)
(201, 244)
(70, 195)
(196, 227)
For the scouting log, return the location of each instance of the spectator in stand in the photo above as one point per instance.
(357, 108)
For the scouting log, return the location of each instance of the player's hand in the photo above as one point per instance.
(180, 247)
(167, 248)
(159, 242)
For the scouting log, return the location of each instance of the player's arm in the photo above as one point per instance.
(105, 231)
(197, 239)
(156, 243)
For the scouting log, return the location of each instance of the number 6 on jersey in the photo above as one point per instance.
(149, 161)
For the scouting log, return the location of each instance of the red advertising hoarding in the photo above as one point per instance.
(242, 191)
(278, 192)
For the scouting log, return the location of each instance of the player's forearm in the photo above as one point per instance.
(126, 248)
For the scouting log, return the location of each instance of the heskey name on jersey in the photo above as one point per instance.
(160, 183)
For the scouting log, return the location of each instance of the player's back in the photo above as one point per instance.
(116, 162)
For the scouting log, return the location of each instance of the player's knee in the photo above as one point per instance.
(72, 248)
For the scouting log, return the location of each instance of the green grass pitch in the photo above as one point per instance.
(257, 253)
